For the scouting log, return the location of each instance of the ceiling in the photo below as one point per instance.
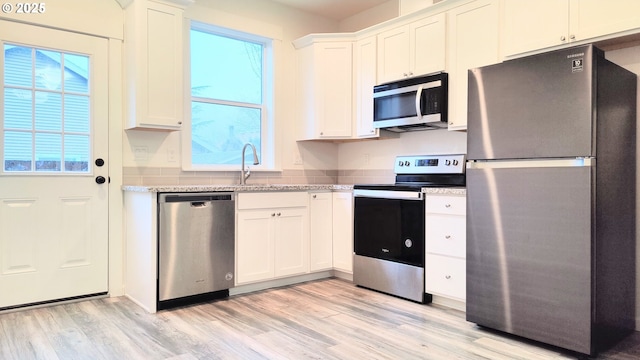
(333, 9)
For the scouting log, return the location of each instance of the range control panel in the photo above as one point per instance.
(430, 164)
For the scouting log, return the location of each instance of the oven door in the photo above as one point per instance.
(389, 225)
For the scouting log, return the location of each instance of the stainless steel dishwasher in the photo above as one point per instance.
(196, 258)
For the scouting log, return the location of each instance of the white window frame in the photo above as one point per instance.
(267, 128)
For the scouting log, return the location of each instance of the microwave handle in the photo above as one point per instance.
(418, 97)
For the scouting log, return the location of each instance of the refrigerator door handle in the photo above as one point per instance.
(527, 163)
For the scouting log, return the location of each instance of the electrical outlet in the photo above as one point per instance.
(140, 153)
(172, 155)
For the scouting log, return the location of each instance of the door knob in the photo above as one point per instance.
(100, 180)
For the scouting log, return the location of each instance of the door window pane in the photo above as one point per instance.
(17, 151)
(18, 109)
(47, 111)
(17, 66)
(48, 152)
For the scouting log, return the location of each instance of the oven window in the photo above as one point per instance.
(389, 229)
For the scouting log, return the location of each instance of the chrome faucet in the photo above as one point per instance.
(244, 176)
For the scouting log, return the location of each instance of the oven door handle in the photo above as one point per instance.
(389, 194)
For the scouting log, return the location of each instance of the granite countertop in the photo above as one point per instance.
(249, 187)
(270, 187)
(445, 191)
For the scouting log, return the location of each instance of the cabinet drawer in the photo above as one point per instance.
(445, 276)
(446, 235)
(455, 205)
(263, 200)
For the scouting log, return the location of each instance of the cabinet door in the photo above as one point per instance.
(321, 231)
(334, 77)
(365, 79)
(473, 42)
(445, 276)
(291, 241)
(427, 45)
(532, 25)
(254, 245)
(393, 54)
(343, 231)
(155, 66)
(592, 18)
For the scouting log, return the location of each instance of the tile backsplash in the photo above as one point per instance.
(141, 176)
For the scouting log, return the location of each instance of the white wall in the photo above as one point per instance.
(95, 17)
(380, 154)
(381, 13)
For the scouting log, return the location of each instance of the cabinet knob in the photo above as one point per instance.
(447, 205)
(179, 122)
(315, 196)
(279, 214)
(572, 37)
(447, 236)
(273, 214)
(447, 277)
(563, 38)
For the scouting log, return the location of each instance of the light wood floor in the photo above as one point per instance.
(325, 319)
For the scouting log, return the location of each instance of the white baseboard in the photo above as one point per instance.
(243, 289)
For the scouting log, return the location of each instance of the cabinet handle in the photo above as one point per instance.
(447, 277)
(563, 38)
(447, 205)
(447, 236)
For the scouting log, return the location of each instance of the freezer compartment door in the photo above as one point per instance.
(535, 107)
(529, 252)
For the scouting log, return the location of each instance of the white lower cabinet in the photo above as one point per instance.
(272, 236)
(321, 231)
(343, 231)
(445, 246)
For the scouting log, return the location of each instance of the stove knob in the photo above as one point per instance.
(407, 163)
(447, 162)
(455, 162)
(400, 163)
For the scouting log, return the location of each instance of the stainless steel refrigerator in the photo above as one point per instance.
(551, 188)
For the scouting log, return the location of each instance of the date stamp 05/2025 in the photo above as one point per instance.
(23, 8)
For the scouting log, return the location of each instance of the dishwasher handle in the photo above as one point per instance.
(196, 199)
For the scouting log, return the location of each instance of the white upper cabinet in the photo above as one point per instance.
(325, 90)
(154, 71)
(534, 25)
(364, 74)
(414, 49)
(473, 41)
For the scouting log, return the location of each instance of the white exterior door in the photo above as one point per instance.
(53, 208)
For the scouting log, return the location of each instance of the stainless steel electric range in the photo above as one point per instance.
(389, 224)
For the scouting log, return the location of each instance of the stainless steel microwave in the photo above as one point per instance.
(417, 103)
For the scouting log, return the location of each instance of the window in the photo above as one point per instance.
(230, 98)
(46, 111)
